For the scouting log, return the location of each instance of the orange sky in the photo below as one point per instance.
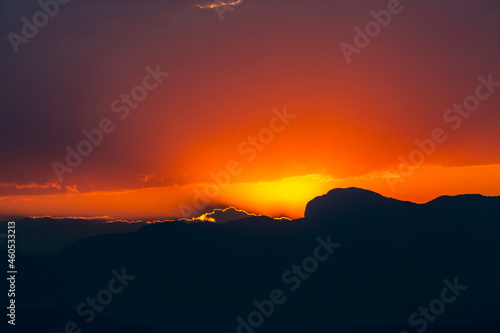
(222, 108)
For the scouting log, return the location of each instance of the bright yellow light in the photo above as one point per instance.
(270, 197)
(205, 218)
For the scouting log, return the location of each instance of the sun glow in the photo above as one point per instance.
(284, 197)
(287, 192)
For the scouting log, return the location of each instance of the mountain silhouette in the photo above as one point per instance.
(388, 259)
(42, 236)
(351, 200)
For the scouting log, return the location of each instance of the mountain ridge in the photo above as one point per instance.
(393, 258)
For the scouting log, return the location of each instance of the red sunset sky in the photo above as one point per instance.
(348, 123)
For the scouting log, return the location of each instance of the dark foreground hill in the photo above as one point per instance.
(47, 236)
(357, 262)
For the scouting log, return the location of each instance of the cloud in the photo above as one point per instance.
(32, 188)
(72, 188)
(152, 177)
(226, 215)
(219, 4)
(93, 218)
(31, 185)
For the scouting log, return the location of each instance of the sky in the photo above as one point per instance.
(174, 108)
